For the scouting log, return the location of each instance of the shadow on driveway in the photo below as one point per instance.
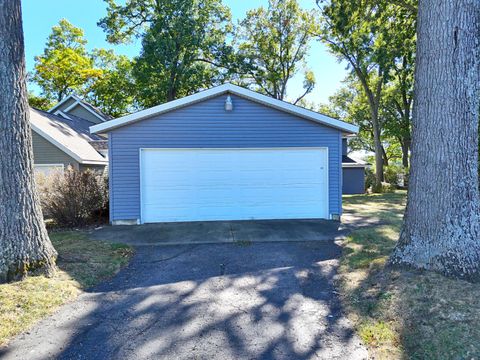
(216, 301)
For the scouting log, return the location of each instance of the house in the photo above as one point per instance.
(226, 153)
(59, 142)
(353, 172)
(72, 105)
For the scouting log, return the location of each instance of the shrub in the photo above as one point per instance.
(391, 174)
(388, 188)
(75, 198)
(369, 178)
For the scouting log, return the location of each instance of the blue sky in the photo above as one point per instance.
(40, 15)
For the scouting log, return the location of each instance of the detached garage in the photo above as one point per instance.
(226, 153)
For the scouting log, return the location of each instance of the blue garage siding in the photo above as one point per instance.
(354, 180)
(207, 124)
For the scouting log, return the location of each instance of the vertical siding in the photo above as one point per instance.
(207, 124)
(44, 152)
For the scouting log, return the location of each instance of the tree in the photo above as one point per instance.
(365, 34)
(24, 243)
(65, 66)
(184, 44)
(114, 89)
(39, 102)
(441, 228)
(350, 104)
(273, 45)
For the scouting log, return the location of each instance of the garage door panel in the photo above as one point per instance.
(230, 184)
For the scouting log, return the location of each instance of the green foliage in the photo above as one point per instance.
(184, 45)
(65, 66)
(393, 174)
(369, 178)
(114, 90)
(39, 102)
(273, 45)
(377, 40)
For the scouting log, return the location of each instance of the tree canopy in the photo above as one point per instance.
(273, 45)
(65, 65)
(184, 45)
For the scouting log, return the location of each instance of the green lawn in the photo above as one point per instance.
(403, 314)
(82, 263)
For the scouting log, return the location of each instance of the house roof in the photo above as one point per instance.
(219, 90)
(348, 162)
(70, 136)
(80, 102)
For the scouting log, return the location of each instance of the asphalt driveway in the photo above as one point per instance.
(241, 300)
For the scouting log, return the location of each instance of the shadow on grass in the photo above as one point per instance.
(88, 262)
(402, 313)
(82, 263)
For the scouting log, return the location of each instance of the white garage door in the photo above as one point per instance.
(233, 184)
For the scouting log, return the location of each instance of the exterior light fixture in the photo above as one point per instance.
(228, 104)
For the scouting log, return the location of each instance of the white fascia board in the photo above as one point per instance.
(226, 88)
(353, 165)
(61, 113)
(65, 149)
(71, 96)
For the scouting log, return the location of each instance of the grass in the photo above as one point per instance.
(401, 313)
(82, 263)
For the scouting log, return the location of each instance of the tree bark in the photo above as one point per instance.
(405, 145)
(24, 243)
(441, 229)
(379, 161)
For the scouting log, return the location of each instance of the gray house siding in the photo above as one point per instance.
(83, 113)
(45, 152)
(353, 180)
(207, 125)
(66, 104)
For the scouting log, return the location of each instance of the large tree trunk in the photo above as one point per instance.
(24, 243)
(441, 229)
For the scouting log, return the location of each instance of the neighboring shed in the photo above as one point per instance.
(226, 153)
(60, 142)
(353, 173)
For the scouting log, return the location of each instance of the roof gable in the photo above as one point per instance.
(72, 141)
(72, 101)
(219, 90)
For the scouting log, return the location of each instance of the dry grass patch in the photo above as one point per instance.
(82, 263)
(403, 314)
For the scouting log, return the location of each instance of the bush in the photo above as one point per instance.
(369, 179)
(392, 174)
(75, 198)
(388, 188)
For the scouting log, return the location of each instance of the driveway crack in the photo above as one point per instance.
(172, 257)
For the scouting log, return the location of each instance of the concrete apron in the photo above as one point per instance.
(214, 232)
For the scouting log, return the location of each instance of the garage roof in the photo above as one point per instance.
(219, 90)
